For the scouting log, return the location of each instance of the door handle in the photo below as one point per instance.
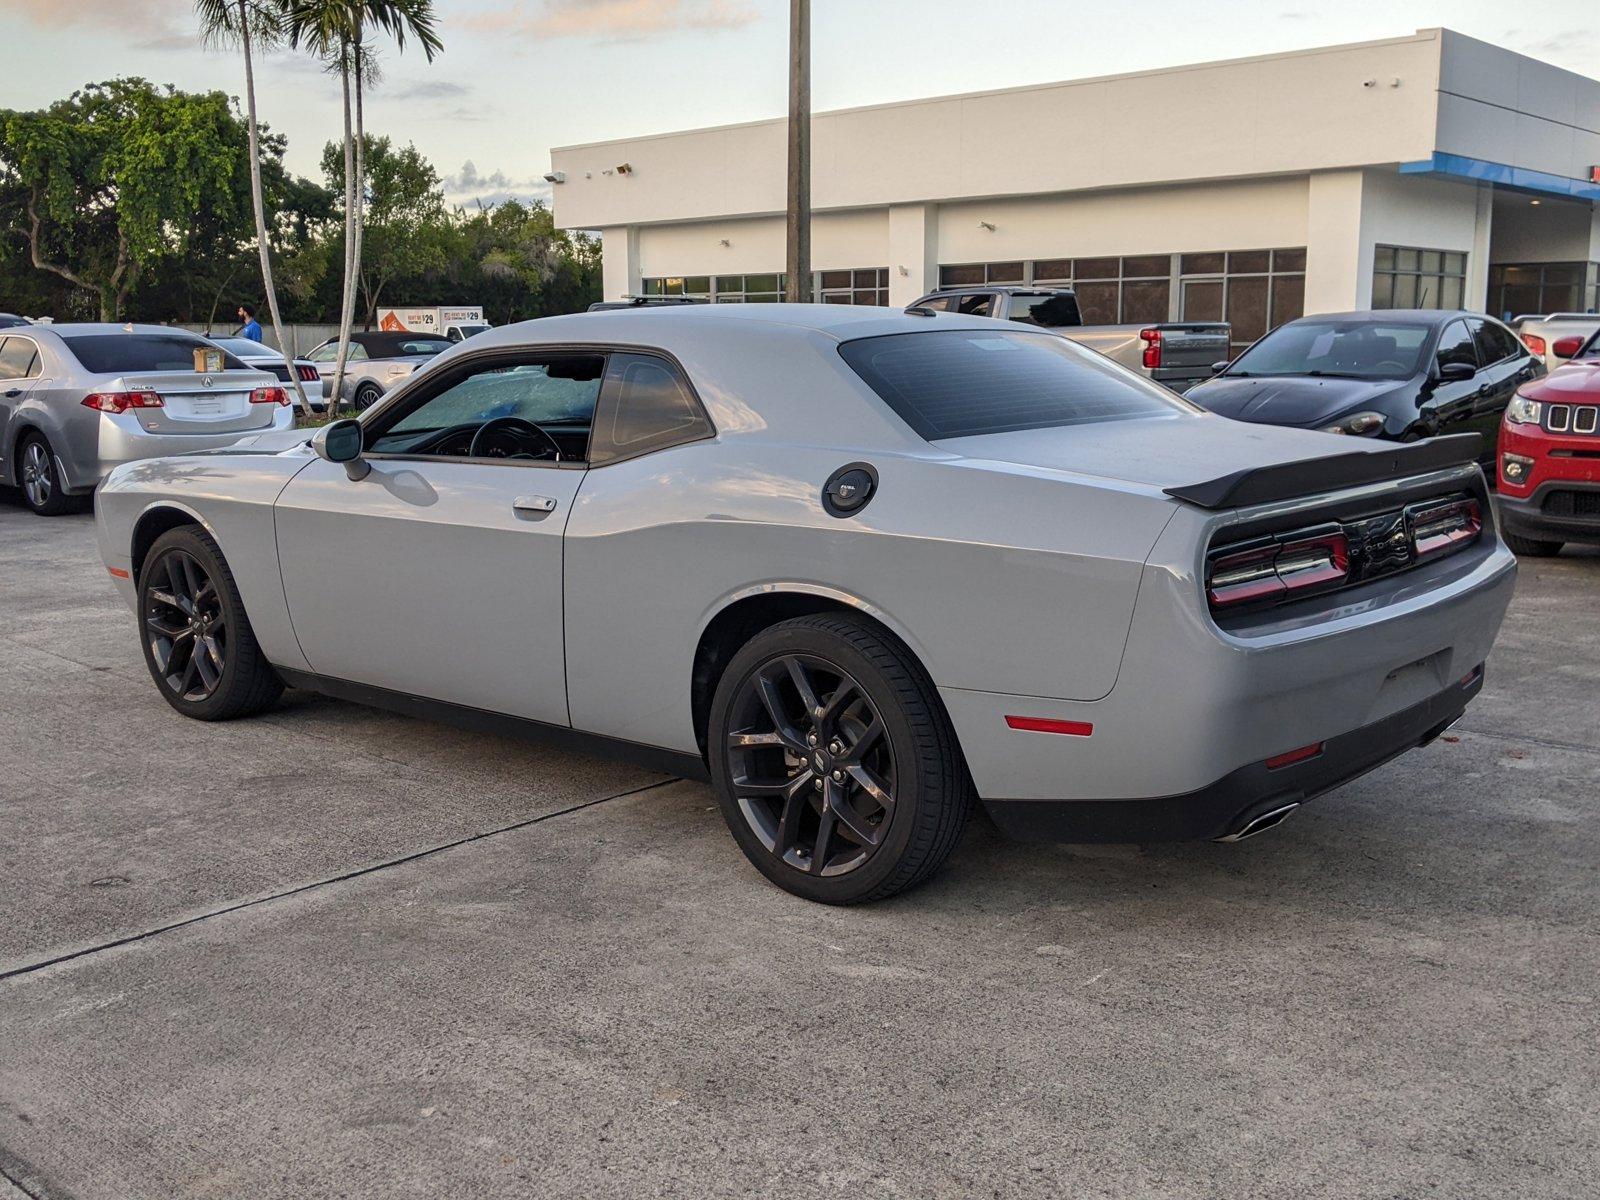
(13, 393)
(534, 504)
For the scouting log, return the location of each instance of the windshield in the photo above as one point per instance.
(123, 353)
(1051, 312)
(956, 383)
(1353, 349)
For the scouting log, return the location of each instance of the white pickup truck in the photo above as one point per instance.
(1177, 354)
(458, 322)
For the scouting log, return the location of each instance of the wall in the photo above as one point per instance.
(1551, 231)
(302, 338)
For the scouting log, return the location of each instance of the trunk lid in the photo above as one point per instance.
(195, 403)
(1194, 343)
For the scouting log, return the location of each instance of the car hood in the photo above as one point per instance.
(1291, 400)
(274, 441)
(1160, 452)
(1570, 383)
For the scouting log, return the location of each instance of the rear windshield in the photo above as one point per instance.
(126, 353)
(1052, 312)
(1354, 349)
(956, 383)
(424, 347)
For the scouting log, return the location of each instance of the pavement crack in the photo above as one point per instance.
(301, 889)
(1548, 743)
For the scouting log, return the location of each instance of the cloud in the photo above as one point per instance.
(613, 20)
(163, 24)
(431, 89)
(470, 187)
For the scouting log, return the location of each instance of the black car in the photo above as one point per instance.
(1400, 374)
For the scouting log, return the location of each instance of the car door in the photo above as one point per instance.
(439, 574)
(1505, 366)
(19, 373)
(1450, 405)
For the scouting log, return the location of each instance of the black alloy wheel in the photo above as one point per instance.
(185, 625)
(833, 760)
(198, 642)
(811, 769)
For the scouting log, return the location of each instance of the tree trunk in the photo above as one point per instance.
(347, 300)
(259, 201)
(361, 163)
(797, 287)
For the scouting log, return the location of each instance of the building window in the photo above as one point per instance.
(1253, 290)
(1409, 277)
(678, 285)
(869, 285)
(968, 274)
(722, 289)
(1129, 290)
(1516, 289)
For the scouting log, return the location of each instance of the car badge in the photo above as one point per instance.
(205, 381)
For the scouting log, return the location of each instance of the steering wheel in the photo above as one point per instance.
(508, 437)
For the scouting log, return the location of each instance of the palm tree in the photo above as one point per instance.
(251, 23)
(335, 30)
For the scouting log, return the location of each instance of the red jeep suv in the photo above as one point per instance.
(1550, 455)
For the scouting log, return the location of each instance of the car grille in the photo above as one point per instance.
(1572, 504)
(1572, 418)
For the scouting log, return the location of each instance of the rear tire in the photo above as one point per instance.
(873, 729)
(1530, 547)
(40, 479)
(198, 643)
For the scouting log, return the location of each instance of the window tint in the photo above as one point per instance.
(558, 394)
(120, 353)
(1495, 341)
(19, 358)
(1455, 346)
(1051, 312)
(647, 407)
(420, 346)
(1354, 349)
(953, 383)
(330, 353)
(936, 303)
(981, 305)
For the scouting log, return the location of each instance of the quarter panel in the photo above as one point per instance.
(232, 497)
(1012, 581)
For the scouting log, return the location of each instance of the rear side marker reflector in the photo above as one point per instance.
(1046, 725)
(118, 573)
(1290, 757)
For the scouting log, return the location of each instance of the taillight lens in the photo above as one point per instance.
(121, 402)
(270, 395)
(1152, 347)
(1278, 569)
(308, 374)
(1533, 342)
(1439, 528)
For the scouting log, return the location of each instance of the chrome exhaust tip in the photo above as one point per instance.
(1261, 822)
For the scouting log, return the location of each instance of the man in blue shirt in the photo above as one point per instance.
(250, 327)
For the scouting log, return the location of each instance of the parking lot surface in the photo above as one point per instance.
(333, 952)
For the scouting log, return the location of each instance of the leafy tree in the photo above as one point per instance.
(119, 175)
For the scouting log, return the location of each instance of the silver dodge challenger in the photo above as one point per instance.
(860, 569)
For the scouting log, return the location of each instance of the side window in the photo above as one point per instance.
(980, 305)
(646, 405)
(324, 353)
(936, 303)
(555, 393)
(1495, 342)
(19, 358)
(1455, 346)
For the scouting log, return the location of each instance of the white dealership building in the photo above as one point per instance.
(1430, 170)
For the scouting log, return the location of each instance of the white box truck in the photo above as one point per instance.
(456, 322)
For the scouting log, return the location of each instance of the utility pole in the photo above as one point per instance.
(797, 287)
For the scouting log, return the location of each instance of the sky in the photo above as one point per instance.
(517, 77)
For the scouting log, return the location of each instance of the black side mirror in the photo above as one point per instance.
(340, 442)
(1457, 372)
(1217, 368)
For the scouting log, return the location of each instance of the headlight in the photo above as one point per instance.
(1522, 411)
(1361, 424)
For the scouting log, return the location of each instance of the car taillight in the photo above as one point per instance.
(121, 402)
(1533, 342)
(1278, 568)
(308, 374)
(1152, 347)
(1439, 528)
(270, 395)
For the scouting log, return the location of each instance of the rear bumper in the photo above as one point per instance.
(1542, 517)
(1231, 802)
(121, 440)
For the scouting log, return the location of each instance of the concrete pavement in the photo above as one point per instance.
(333, 952)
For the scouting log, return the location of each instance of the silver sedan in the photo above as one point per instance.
(77, 400)
(859, 569)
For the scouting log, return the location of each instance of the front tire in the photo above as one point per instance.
(198, 642)
(366, 396)
(834, 762)
(1530, 547)
(42, 487)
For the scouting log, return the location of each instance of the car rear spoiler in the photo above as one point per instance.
(1291, 480)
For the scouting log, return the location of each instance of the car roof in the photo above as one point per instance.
(1396, 316)
(385, 344)
(91, 328)
(1010, 289)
